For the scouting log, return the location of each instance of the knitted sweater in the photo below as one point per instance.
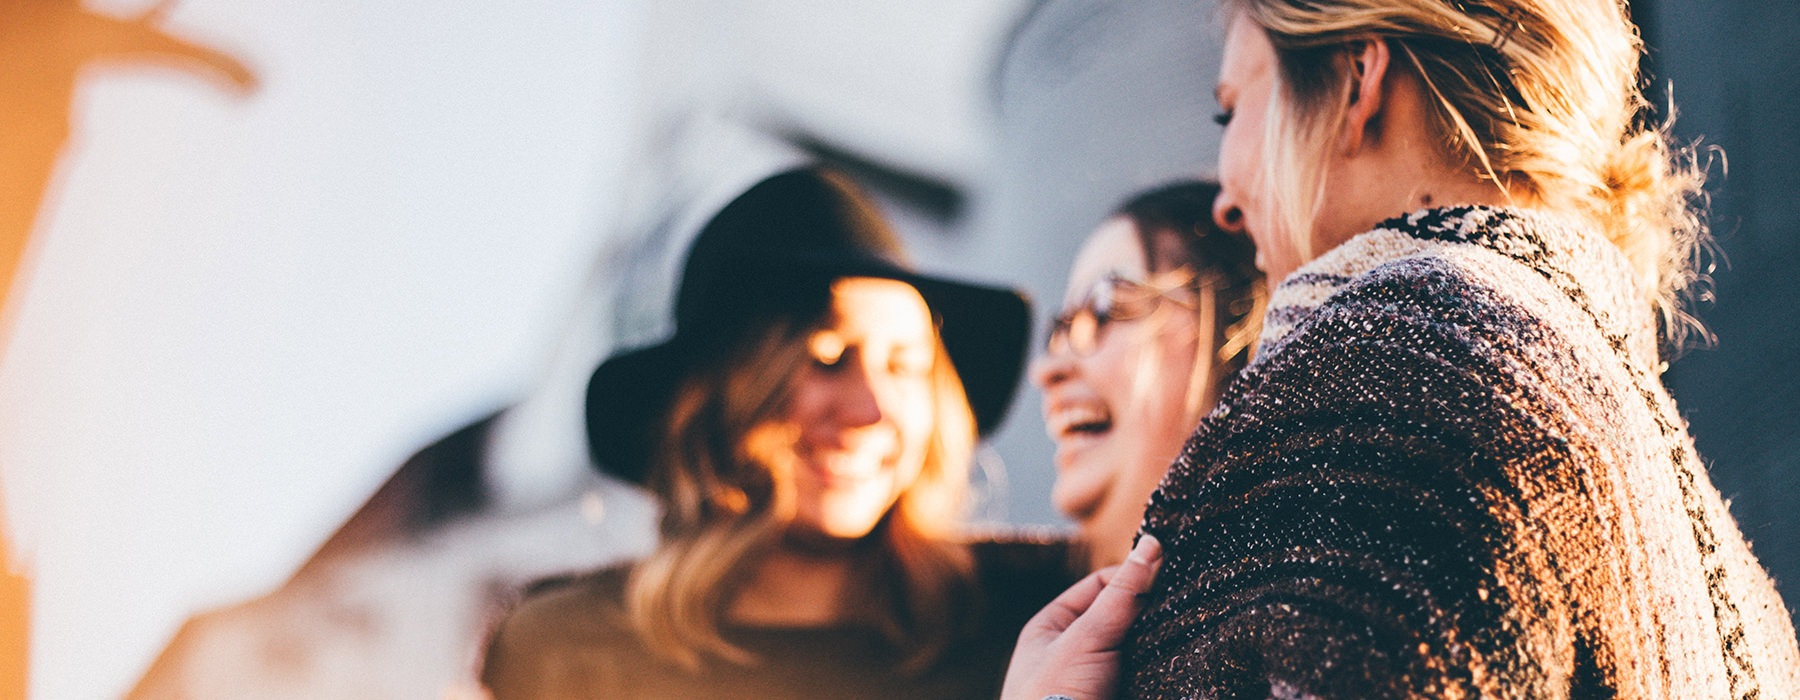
(1452, 471)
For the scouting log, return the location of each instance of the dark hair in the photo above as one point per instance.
(1175, 228)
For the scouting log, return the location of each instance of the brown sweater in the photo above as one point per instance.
(571, 639)
(1452, 471)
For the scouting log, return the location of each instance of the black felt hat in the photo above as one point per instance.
(769, 251)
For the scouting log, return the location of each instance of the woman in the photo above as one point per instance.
(808, 437)
(1451, 470)
(1161, 309)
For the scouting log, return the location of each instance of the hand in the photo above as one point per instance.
(1071, 647)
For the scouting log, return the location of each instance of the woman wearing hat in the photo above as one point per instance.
(808, 431)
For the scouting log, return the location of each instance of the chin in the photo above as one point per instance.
(1081, 487)
(1075, 507)
(848, 526)
(847, 531)
(811, 539)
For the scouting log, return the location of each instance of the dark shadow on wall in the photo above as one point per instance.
(1736, 85)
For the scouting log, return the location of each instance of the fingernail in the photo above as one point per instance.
(1147, 549)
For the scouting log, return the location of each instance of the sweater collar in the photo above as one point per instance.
(1577, 260)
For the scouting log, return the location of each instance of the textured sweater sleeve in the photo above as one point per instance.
(1373, 511)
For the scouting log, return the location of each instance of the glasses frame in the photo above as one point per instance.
(1080, 328)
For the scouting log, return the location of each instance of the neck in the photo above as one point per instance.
(795, 588)
(1450, 191)
(1399, 166)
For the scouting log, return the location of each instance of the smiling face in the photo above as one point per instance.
(860, 414)
(1119, 415)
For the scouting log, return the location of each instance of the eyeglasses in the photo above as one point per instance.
(1079, 328)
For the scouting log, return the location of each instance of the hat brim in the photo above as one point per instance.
(984, 329)
(627, 398)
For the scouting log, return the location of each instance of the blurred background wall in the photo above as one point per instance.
(267, 269)
(242, 308)
(1735, 83)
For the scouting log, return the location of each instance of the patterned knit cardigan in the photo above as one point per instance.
(1452, 471)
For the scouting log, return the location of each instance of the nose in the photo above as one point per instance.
(1050, 368)
(860, 397)
(1227, 214)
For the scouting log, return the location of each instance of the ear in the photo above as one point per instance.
(1368, 70)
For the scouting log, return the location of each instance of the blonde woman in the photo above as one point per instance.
(1161, 309)
(1452, 469)
(808, 431)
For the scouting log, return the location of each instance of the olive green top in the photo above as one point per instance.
(571, 639)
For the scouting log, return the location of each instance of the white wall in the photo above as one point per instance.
(244, 311)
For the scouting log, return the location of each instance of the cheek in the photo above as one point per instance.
(1232, 164)
(914, 420)
(808, 399)
(1239, 158)
(1113, 368)
(904, 476)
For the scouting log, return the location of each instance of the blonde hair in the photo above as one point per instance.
(1240, 303)
(1536, 96)
(724, 510)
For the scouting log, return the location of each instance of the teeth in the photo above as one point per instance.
(1066, 420)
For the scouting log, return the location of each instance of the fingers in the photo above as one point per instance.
(1065, 608)
(1140, 567)
(1071, 647)
(1110, 612)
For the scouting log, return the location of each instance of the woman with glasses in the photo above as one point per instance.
(1161, 311)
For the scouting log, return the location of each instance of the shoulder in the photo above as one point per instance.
(1374, 477)
(1455, 269)
(565, 627)
(572, 600)
(1416, 359)
(1415, 320)
(1465, 311)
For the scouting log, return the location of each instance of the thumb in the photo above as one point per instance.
(1117, 605)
